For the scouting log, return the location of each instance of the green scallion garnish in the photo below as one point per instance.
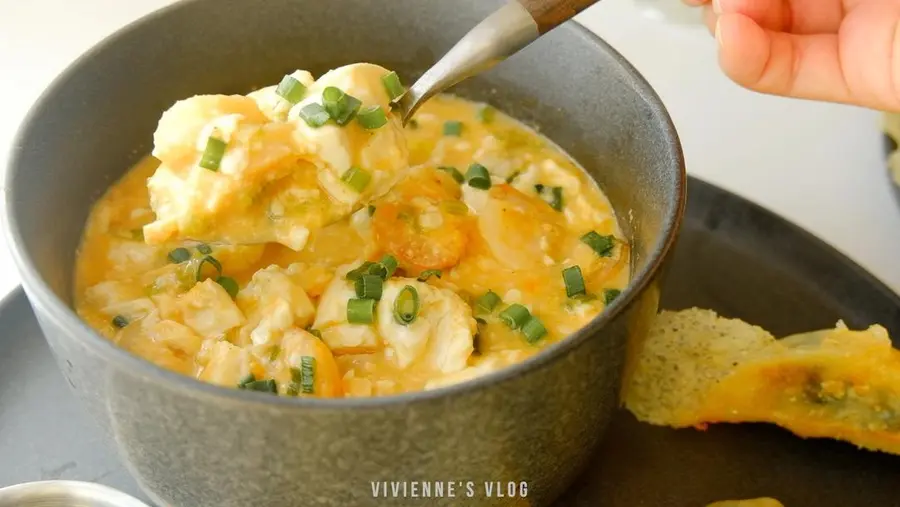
(204, 249)
(515, 315)
(369, 287)
(512, 177)
(229, 284)
(263, 386)
(213, 154)
(486, 114)
(602, 245)
(212, 262)
(290, 89)
(314, 114)
(453, 128)
(372, 117)
(307, 374)
(534, 330)
(341, 107)
(487, 301)
(363, 269)
(356, 178)
(119, 321)
(574, 281)
(179, 255)
(428, 273)
(315, 332)
(406, 306)
(246, 380)
(478, 177)
(393, 86)
(371, 209)
(389, 262)
(361, 311)
(539, 189)
(454, 172)
(609, 295)
(556, 198)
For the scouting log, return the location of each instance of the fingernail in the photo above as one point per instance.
(717, 6)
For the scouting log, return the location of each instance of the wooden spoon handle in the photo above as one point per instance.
(551, 13)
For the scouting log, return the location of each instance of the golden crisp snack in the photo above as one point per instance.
(697, 368)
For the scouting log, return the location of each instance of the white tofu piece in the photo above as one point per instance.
(228, 364)
(441, 335)
(209, 310)
(273, 302)
(331, 319)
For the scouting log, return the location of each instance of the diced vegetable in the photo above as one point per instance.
(371, 209)
(453, 128)
(356, 178)
(602, 245)
(264, 386)
(212, 262)
(487, 302)
(609, 295)
(478, 177)
(179, 255)
(369, 287)
(454, 172)
(361, 311)
(314, 114)
(534, 330)
(574, 281)
(389, 263)
(393, 86)
(428, 273)
(229, 284)
(406, 306)
(342, 108)
(119, 321)
(213, 154)
(204, 249)
(515, 315)
(246, 380)
(307, 374)
(556, 198)
(372, 117)
(512, 177)
(290, 90)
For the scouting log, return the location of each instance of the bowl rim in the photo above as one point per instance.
(51, 307)
(83, 490)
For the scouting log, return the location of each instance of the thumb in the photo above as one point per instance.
(801, 66)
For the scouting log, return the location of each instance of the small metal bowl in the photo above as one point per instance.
(65, 494)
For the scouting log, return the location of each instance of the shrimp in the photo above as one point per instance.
(296, 347)
(422, 222)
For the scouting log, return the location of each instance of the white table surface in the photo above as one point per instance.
(819, 165)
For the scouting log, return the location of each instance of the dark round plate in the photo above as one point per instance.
(733, 257)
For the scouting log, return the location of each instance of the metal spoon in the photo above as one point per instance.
(500, 35)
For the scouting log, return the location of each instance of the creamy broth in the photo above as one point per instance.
(277, 318)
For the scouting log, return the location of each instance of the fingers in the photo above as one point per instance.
(794, 16)
(802, 66)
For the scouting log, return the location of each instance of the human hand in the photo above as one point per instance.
(831, 50)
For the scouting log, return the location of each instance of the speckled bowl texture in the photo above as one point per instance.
(196, 445)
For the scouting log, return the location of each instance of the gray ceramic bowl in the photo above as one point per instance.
(195, 445)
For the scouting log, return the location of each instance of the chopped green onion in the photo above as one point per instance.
(515, 315)
(412, 124)
(453, 128)
(361, 311)
(609, 295)
(372, 117)
(486, 114)
(119, 321)
(212, 262)
(480, 321)
(179, 255)
(315, 332)
(393, 86)
(274, 352)
(356, 178)
(264, 386)
(229, 284)
(406, 306)
(293, 389)
(213, 154)
(478, 177)
(341, 107)
(574, 281)
(602, 245)
(371, 209)
(454, 172)
(363, 269)
(556, 198)
(428, 273)
(534, 330)
(389, 262)
(369, 287)
(314, 114)
(246, 380)
(488, 301)
(307, 374)
(539, 189)
(290, 89)
(512, 177)
(204, 249)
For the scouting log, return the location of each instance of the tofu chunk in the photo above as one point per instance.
(209, 310)
(331, 320)
(273, 302)
(441, 335)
